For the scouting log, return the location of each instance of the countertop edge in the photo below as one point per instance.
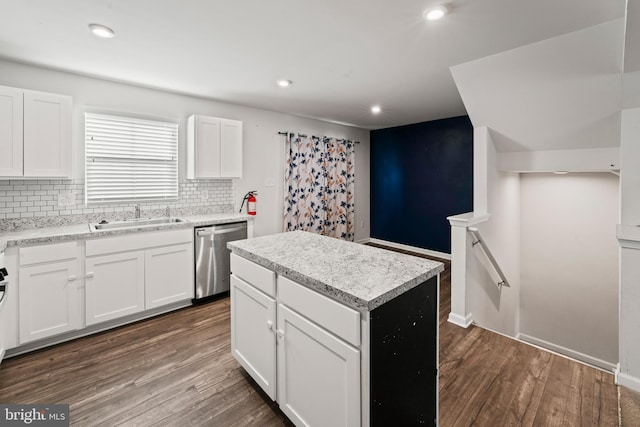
(13, 239)
(333, 293)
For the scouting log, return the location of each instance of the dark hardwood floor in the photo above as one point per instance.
(177, 370)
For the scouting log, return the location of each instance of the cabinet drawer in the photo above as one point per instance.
(138, 241)
(48, 253)
(254, 274)
(331, 315)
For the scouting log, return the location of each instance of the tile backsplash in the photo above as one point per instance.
(26, 203)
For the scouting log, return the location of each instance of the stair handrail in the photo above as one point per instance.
(478, 240)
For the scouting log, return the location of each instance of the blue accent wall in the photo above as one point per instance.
(420, 175)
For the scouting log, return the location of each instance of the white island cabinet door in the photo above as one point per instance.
(114, 286)
(318, 374)
(253, 342)
(168, 275)
(48, 300)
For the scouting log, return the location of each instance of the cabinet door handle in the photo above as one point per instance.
(280, 333)
(270, 325)
(72, 278)
(89, 275)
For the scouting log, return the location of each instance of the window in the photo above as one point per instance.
(130, 160)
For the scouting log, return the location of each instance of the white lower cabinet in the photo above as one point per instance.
(114, 286)
(318, 374)
(253, 343)
(48, 300)
(64, 287)
(294, 344)
(135, 272)
(48, 296)
(168, 275)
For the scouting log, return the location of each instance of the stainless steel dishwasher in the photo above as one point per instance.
(212, 257)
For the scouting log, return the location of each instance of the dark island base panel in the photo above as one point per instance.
(403, 367)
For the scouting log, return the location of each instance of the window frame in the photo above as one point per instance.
(129, 159)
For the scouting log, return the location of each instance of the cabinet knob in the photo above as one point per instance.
(89, 275)
(280, 333)
(72, 278)
(269, 325)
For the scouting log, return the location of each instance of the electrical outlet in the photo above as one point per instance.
(66, 198)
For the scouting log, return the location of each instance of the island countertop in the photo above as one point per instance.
(360, 276)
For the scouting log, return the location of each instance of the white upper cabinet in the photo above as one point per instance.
(214, 147)
(230, 148)
(10, 131)
(47, 135)
(35, 134)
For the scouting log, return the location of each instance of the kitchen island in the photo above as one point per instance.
(339, 334)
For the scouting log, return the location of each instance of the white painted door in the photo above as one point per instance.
(10, 131)
(168, 275)
(114, 286)
(318, 374)
(48, 300)
(253, 342)
(207, 152)
(47, 135)
(230, 148)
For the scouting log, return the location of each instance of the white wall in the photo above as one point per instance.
(492, 308)
(569, 262)
(629, 371)
(630, 162)
(263, 147)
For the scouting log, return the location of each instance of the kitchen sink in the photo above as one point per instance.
(134, 222)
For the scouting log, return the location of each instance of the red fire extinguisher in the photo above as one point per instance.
(250, 198)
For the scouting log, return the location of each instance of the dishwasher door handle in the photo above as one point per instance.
(215, 231)
(203, 233)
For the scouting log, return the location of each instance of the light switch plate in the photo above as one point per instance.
(269, 182)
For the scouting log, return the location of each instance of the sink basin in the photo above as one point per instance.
(136, 222)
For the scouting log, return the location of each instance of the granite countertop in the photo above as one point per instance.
(360, 276)
(82, 232)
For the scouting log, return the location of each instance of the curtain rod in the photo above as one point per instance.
(304, 136)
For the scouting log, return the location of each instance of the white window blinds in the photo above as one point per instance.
(130, 160)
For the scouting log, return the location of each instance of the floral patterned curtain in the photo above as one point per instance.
(319, 185)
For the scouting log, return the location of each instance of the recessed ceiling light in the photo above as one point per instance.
(435, 13)
(284, 83)
(101, 31)
(376, 109)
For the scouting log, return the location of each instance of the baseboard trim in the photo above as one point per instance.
(563, 351)
(462, 321)
(627, 380)
(421, 251)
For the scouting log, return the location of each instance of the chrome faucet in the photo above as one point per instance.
(137, 211)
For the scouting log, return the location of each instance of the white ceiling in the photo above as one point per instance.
(343, 55)
(558, 94)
